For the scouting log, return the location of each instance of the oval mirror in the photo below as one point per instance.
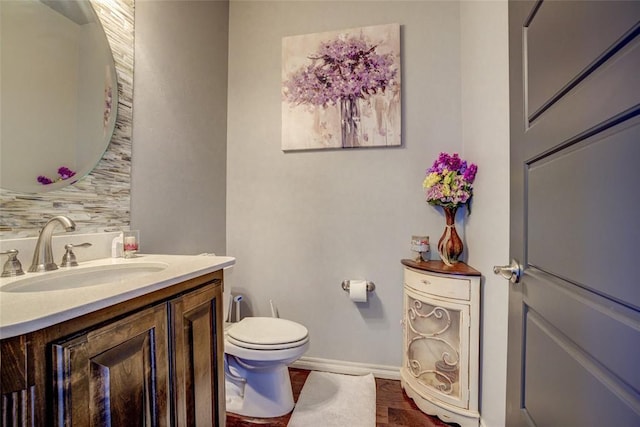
(59, 94)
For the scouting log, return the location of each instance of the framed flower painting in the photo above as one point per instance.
(341, 89)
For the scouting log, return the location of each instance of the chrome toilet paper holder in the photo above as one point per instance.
(346, 285)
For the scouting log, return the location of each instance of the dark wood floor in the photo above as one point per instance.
(393, 407)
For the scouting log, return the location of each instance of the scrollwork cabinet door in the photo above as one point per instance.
(437, 346)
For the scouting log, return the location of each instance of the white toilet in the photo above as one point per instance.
(258, 351)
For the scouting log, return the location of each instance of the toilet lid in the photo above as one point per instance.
(267, 333)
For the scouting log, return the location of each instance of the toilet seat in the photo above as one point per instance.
(267, 333)
(257, 352)
(253, 346)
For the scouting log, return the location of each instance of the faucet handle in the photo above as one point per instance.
(69, 258)
(12, 267)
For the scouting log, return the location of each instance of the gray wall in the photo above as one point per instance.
(178, 179)
(299, 223)
(485, 136)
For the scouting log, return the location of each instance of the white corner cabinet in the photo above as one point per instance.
(441, 342)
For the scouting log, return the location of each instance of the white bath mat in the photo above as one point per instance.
(334, 400)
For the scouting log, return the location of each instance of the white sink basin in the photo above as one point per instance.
(82, 277)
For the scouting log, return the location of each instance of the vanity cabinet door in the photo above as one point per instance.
(115, 375)
(16, 394)
(197, 374)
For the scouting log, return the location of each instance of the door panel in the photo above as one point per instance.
(572, 205)
(553, 34)
(565, 387)
(595, 326)
(574, 320)
(609, 95)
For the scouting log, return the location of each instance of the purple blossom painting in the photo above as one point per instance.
(341, 89)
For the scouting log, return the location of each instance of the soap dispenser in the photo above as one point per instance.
(116, 247)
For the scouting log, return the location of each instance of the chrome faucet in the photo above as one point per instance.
(43, 254)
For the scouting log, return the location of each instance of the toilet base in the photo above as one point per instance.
(266, 393)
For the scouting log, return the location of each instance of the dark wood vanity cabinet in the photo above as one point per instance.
(155, 360)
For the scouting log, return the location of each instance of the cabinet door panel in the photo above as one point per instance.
(198, 381)
(197, 361)
(436, 351)
(16, 398)
(115, 375)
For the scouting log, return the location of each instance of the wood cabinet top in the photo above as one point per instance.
(460, 268)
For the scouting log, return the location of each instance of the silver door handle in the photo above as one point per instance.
(511, 272)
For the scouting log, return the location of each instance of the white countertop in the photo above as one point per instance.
(24, 312)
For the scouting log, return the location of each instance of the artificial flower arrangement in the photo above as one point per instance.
(449, 182)
(63, 173)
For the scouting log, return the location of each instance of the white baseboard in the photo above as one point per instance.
(482, 424)
(349, 368)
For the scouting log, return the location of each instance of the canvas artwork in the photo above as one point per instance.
(341, 89)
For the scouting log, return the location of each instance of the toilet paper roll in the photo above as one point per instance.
(358, 290)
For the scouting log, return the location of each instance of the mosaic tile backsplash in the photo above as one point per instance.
(101, 200)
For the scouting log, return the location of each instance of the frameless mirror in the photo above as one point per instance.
(59, 95)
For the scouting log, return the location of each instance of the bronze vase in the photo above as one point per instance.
(450, 246)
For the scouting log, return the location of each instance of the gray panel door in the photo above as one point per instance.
(574, 318)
